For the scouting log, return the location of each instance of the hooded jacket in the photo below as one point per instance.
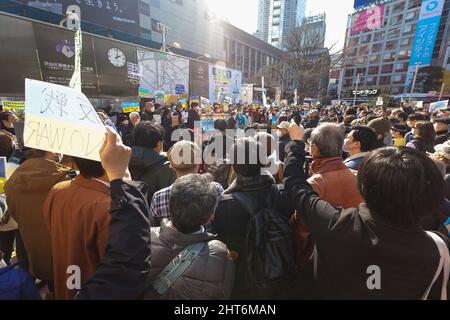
(152, 168)
(210, 276)
(26, 192)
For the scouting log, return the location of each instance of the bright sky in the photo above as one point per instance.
(244, 14)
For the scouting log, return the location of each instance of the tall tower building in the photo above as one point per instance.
(276, 18)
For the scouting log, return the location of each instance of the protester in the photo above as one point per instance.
(398, 132)
(193, 116)
(232, 218)
(193, 200)
(424, 136)
(355, 245)
(148, 113)
(442, 131)
(283, 128)
(127, 129)
(360, 141)
(382, 127)
(7, 119)
(147, 163)
(26, 191)
(123, 271)
(77, 215)
(183, 157)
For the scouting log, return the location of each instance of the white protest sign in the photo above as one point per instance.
(157, 119)
(61, 120)
(438, 105)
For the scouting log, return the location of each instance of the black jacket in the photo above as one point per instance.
(231, 220)
(123, 271)
(152, 168)
(350, 241)
(192, 117)
(284, 140)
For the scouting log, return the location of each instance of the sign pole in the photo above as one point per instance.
(442, 91)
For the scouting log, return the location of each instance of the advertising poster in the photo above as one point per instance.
(247, 94)
(56, 49)
(369, 19)
(224, 83)
(122, 15)
(199, 79)
(163, 73)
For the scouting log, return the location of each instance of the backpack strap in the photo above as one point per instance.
(177, 267)
(443, 267)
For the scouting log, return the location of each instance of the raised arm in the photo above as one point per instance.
(122, 273)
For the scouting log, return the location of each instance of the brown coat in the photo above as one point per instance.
(26, 192)
(77, 215)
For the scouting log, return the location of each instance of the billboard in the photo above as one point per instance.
(121, 15)
(369, 19)
(56, 50)
(224, 83)
(162, 73)
(18, 58)
(425, 38)
(361, 3)
(199, 79)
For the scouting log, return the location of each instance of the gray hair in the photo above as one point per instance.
(135, 115)
(329, 139)
(193, 199)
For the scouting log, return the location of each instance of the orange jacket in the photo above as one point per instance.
(77, 215)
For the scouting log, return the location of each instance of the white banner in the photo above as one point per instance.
(61, 120)
(75, 82)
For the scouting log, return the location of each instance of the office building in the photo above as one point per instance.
(386, 40)
(276, 19)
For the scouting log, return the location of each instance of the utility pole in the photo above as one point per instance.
(356, 90)
(442, 91)
(163, 29)
(413, 87)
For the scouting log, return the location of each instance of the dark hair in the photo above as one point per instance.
(401, 185)
(89, 168)
(193, 199)
(6, 145)
(366, 137)
(220, 125)
(147, 135)
(425, 132)
(402, 115)
(246, 157)
(351, 112)
(349, 119)
(416, 117)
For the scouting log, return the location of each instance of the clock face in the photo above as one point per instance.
(117, 57)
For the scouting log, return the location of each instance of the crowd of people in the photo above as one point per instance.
(279, 202)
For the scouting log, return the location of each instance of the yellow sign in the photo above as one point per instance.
(170, 99)
(12, 105)
(131, 109)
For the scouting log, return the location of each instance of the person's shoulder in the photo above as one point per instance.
(218, 248)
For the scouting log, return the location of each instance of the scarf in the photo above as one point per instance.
(323, 165)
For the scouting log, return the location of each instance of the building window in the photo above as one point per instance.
(144, 8)
(155, 3)
(374, 70)
(376, 47)
(388, 68)
(408, 29)
(349, 72)
(371, 81)
(364, 50)
(146, 33)
(385, 80)
(398, 79)
(374, 58)
(389, 57)
(366, 38)
(361, 71)
(401, 67)
(378, 36)
(155, 25)
(391, 45)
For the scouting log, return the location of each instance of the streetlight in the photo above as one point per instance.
(175, 45)
(160, 27)
(356, 89)
(413, 87)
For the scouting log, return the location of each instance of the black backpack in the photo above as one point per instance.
(268, 248)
